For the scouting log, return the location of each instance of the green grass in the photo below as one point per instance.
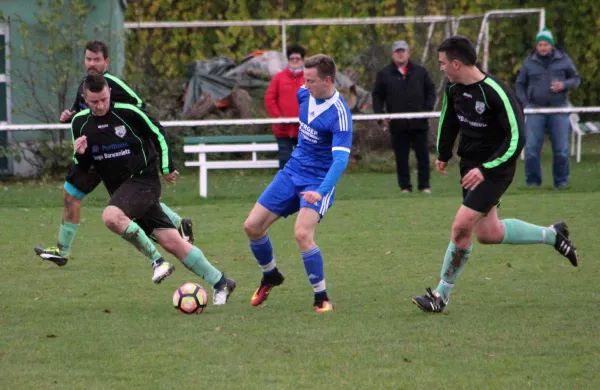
(520, 316)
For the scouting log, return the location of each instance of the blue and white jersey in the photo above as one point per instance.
(324, 128)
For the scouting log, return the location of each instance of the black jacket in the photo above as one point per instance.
(397, 93)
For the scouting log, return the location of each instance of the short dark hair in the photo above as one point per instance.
(94, 83)
(97, 47)
(459, 48)
(324, 64)
(296, 49)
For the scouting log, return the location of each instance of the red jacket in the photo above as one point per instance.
(281, 101)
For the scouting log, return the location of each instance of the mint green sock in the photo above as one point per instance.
(173, 216)
(198, 264)
(66, 235)
(454, 262)
(517, 232)
(138, 238)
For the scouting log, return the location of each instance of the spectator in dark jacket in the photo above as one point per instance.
(403, 86)
(544, 81)
(281, 102)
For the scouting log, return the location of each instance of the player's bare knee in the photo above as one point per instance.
(461, 232)
(304, 236)
(253, 229)
(70, 201)
(114, 219)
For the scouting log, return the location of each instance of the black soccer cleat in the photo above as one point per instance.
(563, 244)
(51, 254)
(431, 302)
(185, 230)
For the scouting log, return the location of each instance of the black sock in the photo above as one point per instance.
(320, 298)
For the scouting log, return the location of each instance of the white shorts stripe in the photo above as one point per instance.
(325, 202)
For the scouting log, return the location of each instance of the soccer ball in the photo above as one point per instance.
(190, 298)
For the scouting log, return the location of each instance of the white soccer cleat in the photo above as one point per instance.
(223, 290)
(162, 271)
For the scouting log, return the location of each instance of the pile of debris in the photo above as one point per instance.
(221, 88)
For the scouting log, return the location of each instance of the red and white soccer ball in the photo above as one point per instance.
(190, 298)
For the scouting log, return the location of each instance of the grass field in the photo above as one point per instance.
(520, 316)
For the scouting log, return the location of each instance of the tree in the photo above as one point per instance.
(50, 59)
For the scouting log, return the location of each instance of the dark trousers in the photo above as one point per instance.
(285, 148)
(402, 142)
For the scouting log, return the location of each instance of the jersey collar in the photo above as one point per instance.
(314, 109)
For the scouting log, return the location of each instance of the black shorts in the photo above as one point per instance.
(487, 194)
(138, 197)
(83, 181)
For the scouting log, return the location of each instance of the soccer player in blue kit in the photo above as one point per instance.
(307, 182)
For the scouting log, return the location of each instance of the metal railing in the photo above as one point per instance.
(268, 121)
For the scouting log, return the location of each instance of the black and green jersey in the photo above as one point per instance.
(120, 92)
(490, 121)
(121, 144)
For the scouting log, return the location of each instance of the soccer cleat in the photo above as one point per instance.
(185, 230)
(161, 271)
(431, 302)
(52, 254)
(324, 306)
(266, 284)
(223, 290)
(563, 244)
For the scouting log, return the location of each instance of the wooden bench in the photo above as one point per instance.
(228, 144)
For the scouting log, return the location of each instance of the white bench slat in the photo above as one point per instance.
(592, 126)
(234, 164)
(230, 148)
(202, 150)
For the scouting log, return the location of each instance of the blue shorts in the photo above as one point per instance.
(283, 198)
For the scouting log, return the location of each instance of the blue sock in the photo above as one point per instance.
(263, 253)
(313, 264)
(454, 263)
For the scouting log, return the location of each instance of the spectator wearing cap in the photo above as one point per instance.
(281, 102)
(543, 82)
(404, 86)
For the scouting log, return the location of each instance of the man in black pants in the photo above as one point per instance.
(403, 86)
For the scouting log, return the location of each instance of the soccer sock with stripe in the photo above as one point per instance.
(66, 235)
(454, 262)
(138, 238)
(173, 216)
(313, 264)
(517, 232)
(196, 262)
(263, 253)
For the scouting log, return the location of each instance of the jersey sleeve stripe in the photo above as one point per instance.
(80, 113)
(340, 148)
(346, 125)
(161, 139)
(442, 117)
(340, 119)
(512, 120)
(125, 88)
(342, 116)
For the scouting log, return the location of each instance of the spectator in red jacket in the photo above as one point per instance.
(281, 102)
